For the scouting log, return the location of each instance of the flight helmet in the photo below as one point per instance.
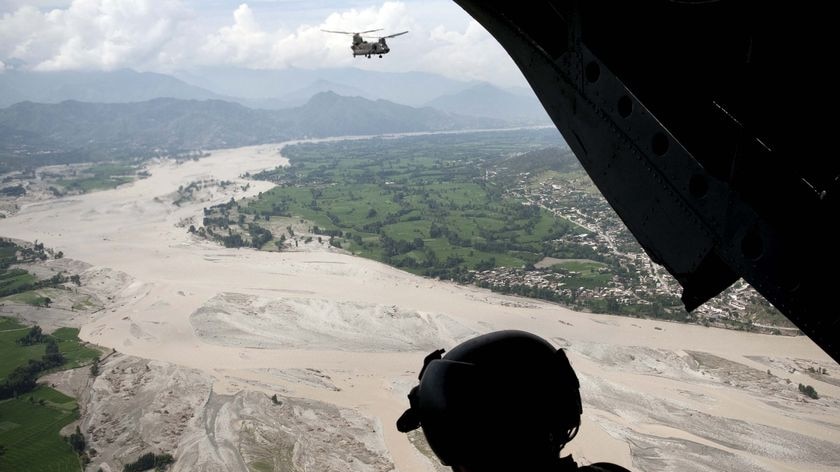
(507, 397)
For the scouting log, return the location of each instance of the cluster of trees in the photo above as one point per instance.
(232, 240)
(217, 216)
(458, 274)
(24, 378)
(808, 391)
(217, 221)
(16, 280)
(79, 445)
(148, 461)
(11, 253)
(14, 191)
(77, 441)
(818, 370)
(532, 291)
(329, 232)
(34, 336)
(394, 247)
(259, 235)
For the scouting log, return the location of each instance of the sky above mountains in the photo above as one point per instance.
(171, 35)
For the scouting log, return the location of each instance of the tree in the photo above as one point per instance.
(53, 356)
(148, 461)
(33, 336)
(94, 367)
(809, 391)
(77, 441)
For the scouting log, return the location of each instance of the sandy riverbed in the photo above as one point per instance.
(350, 333)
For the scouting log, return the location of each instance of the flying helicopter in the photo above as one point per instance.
(361, 47)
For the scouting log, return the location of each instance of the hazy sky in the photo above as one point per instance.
(166, 35)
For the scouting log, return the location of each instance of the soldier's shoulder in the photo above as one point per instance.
(603, 467)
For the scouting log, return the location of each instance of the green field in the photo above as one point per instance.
(75, 353)
(15, 280)
(585, 274)
(29, 430)
(420, 203)
(12, 354)
(31, 297)
(102, 176)
(8, 252)
(17, 284)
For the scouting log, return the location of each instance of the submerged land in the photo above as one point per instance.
(298, 355)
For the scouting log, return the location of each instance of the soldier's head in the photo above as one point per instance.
(499, 401)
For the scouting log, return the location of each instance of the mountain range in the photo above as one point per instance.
(487, 100)
(88, 131)
(117, 86)
(272, 89)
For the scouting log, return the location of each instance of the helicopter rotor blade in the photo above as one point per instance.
(339, 32)
(393, 35)
(370, 31)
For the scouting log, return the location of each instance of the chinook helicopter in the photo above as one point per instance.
(361, 47)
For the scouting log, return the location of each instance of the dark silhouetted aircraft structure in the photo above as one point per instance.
(692, 118)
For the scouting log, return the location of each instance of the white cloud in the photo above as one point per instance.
(166, 35)
(97, 34)
(244, 42)
(247, 43)
(471, 55)
(9, 5)
(468, 53)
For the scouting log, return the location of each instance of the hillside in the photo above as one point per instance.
(266, 86)
(486, 100)
(329, 114)
(71, 131)
(119, 86)
(558, 159)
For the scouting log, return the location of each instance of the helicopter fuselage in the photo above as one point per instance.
(361, 47)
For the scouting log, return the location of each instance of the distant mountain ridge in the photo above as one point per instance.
(119, 86)
(407, 88)
(489, 101)
(171, 125)
(272, 89)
